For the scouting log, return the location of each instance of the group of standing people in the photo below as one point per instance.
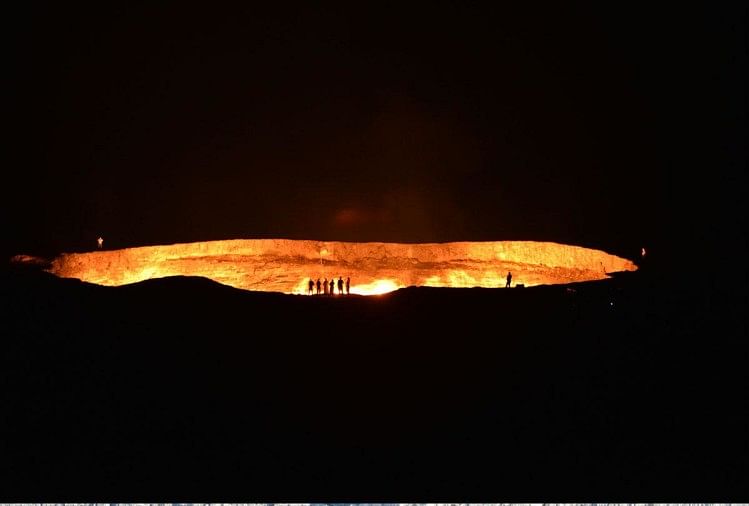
(328, 288)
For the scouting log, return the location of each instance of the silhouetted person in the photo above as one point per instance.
(100, 242)
(325, 286)
(509, 280)
(311, 286)
(348, 286)
(340, 285)
(332, 286)
(318, 286)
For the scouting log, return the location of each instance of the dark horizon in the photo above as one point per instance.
(597, 127)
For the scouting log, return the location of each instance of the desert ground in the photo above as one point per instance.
(184, 388)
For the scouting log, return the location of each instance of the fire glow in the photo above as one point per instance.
(285, 265)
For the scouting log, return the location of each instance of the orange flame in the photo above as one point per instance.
(283, 265)
(378, 287)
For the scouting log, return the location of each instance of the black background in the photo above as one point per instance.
(612, 127)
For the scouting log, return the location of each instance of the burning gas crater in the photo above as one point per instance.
(284, 265)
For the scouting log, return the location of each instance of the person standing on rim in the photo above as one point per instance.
(509, 279)
(340, 285)
(348, 286)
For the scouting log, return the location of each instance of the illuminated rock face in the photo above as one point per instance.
(284, 265)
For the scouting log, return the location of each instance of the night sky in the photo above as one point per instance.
(442, 121)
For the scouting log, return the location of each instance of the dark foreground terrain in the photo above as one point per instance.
(184, 389)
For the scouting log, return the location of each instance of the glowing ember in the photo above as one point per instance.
(286, 266)
(376, 287)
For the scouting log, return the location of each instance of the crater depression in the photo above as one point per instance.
(286, 265)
